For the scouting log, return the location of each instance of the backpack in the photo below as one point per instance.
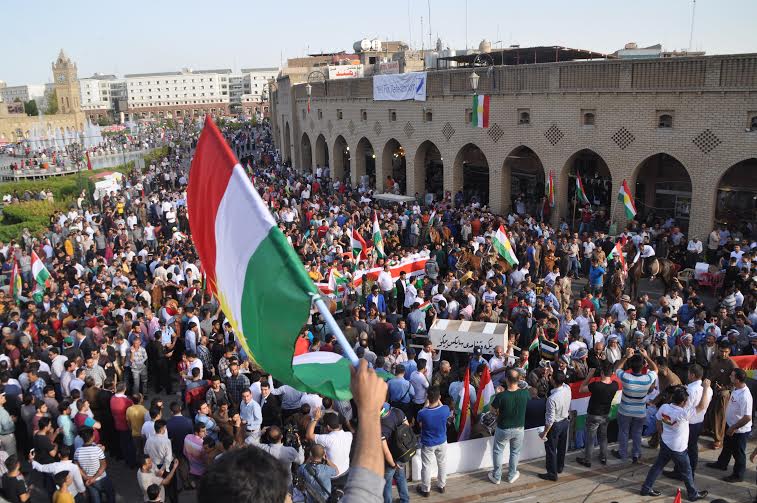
(404, 443)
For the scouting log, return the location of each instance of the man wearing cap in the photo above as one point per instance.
(619, 309)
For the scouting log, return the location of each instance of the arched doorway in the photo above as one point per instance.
(526, 181)
(429, 162)
(663, 191)
(472, 174)
(393, 165)
(306, 153)
(365, 164)
(736, 203)
(321, 152)
(341, 163)
(597, 186)
(287, 150)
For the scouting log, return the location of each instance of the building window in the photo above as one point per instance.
(363, 115)
(339, 114)
(665, 121)
(588, 118)
(468, 115)
(392, 115)
(753, 123)
(524, 117)
(304, 112)
(428, 115)
(320, 114)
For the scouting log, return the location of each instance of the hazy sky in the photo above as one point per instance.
(135, 36)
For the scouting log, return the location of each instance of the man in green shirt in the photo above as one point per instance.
(510, 407)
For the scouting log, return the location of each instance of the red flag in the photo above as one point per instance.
(463, 410)
(678, 496)
(89, 162)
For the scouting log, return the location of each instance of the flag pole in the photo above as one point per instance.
(575, 200)
(334, 327)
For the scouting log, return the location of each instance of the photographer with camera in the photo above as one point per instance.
(316, 473)
(336, 441)
(272, 442)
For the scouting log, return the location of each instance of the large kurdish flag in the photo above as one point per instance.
(41, 276)
(254, 272)
(480, 115)
(580, 402)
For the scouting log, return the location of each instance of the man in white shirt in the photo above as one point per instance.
(336, 442)
(431, 355)
(385, 282)
(738, 420)
(673, 423)
(555, 434)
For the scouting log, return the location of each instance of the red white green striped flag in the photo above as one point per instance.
(254, 272)
(425, 306)
(358, 246)
(485, 392)
(16, 284)
(504, 247)
(550, 190)
(580, 192)
(624, 196)
(480, 115)
(462, 415)
(617, 254)
(378, 241)
(41, 276)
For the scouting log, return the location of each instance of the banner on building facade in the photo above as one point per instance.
(462, 336)
(345, 71)
(400, 87)
(389, 68)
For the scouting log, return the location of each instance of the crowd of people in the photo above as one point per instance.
(124, 356)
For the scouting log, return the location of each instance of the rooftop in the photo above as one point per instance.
(526, 55)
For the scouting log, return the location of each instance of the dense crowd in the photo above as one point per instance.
(123, 355)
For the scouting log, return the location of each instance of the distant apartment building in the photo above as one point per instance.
(178, 94)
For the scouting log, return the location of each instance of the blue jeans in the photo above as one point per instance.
(634, 424)
(573, 266)
(513, 437)
(734, 446)
(596, 429)
(555, 447)
(398, 474)
(694, 431)
(103, 485)
(682, 467)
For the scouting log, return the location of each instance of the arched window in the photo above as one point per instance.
(524, 118)
(588, 119)
(753, 124)
(665, 122)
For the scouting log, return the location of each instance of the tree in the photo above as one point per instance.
(52, 103)
(30, 108)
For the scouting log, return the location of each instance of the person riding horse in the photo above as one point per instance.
(648, 260)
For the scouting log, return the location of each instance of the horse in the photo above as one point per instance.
(471, 262)
(437, 237)
(663, 268)
(617, 285)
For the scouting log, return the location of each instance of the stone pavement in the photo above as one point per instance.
(618, 482)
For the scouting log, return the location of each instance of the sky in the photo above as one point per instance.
(139, 36)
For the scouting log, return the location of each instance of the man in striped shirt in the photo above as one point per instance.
(91, 459)
(633, 407)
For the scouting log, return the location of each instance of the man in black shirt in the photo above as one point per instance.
(598, 412)
(14, 485)
(391, 419)
(45, 449)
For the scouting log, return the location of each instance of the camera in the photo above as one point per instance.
(290, 436)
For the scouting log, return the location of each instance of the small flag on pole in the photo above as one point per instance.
(358, 245)
(551, 190)
(580, 192)
(504, 247)
(485, 392)
(624, 196)
(378, 241)
(41, 276)
(462, 417)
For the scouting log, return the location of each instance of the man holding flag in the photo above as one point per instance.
(41, 276)
(510, 407)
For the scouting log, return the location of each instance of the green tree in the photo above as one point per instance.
(52, 103)
(30, 108)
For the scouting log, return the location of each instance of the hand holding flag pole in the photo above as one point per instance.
(334, 327)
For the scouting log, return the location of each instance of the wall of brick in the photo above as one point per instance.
(708, 134)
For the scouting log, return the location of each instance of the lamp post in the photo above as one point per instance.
(474, 78)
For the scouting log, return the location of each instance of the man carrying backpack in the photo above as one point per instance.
(399, 444)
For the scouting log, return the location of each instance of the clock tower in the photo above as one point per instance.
(66, 84)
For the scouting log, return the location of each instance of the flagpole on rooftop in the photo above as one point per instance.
(334, 327)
